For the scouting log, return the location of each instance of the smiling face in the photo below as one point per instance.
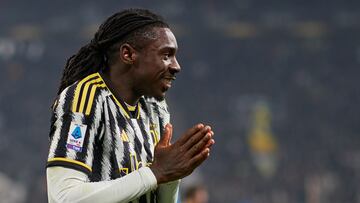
(156, 65)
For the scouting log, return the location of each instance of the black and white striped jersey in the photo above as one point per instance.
(95, 132)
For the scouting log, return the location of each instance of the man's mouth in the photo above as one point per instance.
(170, 77)
(168, 81)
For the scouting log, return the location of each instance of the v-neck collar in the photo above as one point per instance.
(119, 101)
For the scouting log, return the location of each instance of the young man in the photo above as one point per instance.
(110, 132)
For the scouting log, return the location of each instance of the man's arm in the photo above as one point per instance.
(171, 162)
(69, 185)
(168, 192)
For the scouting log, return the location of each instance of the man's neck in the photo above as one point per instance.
(120, 83)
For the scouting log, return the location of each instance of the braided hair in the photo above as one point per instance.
(132, 26)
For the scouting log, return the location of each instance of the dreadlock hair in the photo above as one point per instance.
(132, 26)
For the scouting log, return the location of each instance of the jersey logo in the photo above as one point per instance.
(76, 133)
(124, 136)
(124, 171)
(75, 140)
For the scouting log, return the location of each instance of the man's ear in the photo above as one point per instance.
(127, 54)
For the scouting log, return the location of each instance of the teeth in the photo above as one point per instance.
(170, 78)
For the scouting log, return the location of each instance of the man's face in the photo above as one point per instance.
(156, 65)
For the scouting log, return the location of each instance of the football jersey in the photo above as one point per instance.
(95, 132)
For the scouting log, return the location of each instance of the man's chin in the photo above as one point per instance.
(157, 95)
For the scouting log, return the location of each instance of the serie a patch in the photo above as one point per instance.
(75, 140)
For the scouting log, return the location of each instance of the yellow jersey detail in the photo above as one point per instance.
(78, 88)
(124, 136)
(85, 92)
(91, 98)
(70, 161)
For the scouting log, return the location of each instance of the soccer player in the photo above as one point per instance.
(110, 132)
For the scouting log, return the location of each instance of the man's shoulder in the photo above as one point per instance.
(83, 95)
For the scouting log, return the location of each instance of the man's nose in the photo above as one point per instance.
(175, 66)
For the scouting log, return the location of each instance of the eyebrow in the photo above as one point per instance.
(168, 48)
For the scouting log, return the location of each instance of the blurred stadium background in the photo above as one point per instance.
(278, 80)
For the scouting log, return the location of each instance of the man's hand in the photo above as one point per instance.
(175, 161)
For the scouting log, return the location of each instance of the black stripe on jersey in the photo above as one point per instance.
(144, 107)
(52, 126)
(82, 89)
(98, 155)
(95, 176)
(161, 120)
(115, 172)
(146, 140)
(138, 145)
(69, 165)
(161, 124)
(61, 149)
(148, 113)
(98, 149)
(125, 163)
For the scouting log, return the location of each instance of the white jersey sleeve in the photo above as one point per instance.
(69, 185)
(168, 192)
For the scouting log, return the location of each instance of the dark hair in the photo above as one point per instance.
(133, 26)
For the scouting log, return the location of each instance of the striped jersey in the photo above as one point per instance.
(95, 132)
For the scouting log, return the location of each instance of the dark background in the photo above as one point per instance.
(277, 80)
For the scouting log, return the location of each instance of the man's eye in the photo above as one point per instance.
(166, 56)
